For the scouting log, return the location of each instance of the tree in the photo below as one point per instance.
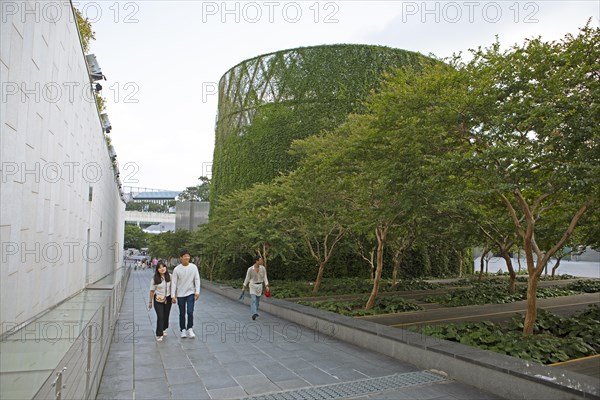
(167, 245)
(135, 237)
(199, 192)
(312, 212)
(536, 141)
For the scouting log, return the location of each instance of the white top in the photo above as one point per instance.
(254, 277)
(162, 289)
(186, 280)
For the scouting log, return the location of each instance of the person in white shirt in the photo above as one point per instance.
(160, 292)
(256, 276)
(185, 290)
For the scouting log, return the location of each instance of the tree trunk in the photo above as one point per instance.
(556, 266)
(319, 276)
(381, 234)
(398, 257)
(512, 281)
(481, 261)
(531, 315)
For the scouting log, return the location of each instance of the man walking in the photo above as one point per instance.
(185, 289)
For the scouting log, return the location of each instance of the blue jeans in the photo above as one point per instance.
(254, 304)
(182, 302)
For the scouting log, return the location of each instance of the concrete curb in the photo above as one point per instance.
(499, 374)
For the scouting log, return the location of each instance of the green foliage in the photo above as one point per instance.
(167, 245)
(585, 326)
(199, 192)
(86, 34)
(587, 286)
(543, 348)
(355, 307)
(285, 289)
(135, 237)
(506, 142)
(494, 292)
(268, 101)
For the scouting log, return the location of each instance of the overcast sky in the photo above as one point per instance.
(163, 59)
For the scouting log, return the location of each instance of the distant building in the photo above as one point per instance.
(191, 214)
(159, 197)
(160, 228)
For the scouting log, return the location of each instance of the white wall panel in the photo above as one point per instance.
(51, 137)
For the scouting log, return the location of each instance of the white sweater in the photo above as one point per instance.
(185, 280)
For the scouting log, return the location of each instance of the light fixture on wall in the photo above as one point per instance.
(105, 122)
(94, 68)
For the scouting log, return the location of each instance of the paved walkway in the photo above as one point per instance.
(233, 357)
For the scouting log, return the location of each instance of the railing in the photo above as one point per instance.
(78, 374)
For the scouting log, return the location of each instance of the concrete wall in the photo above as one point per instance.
(55, 237)
(190, 214)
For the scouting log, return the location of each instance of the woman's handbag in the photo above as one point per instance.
(160, 299)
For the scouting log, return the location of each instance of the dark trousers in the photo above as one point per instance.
(183, 303)
(162, 315)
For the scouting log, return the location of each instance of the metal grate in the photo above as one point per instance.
(354, 388)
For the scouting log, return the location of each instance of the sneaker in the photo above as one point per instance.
(164, 333)
(183, 333)
(159, 338)
(254, 316)
(190, 333)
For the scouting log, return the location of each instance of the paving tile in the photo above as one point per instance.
(316, 376)
(292, 384)
(227, 393)
(185, 391)
(241, 368)
(116, 383)
(143, 372)
(124, 395)
(256, 384)
(233, 357)
(217, 380)
(182, 375)
(155, 388)
(276, 372)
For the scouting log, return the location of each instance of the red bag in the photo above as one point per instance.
(267, 293)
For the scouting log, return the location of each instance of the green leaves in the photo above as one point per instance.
(548, 347)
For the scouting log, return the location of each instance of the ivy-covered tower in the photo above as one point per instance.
(268, 101)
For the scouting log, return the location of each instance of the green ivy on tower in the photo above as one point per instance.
(268, 101)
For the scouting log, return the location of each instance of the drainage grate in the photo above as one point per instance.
(354, 388)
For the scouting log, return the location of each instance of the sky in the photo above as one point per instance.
(163, 59)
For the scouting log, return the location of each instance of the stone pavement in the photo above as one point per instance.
(233, 357)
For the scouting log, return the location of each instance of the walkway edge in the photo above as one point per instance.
(499, 374)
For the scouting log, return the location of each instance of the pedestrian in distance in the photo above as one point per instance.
(185, 291)
(160, 294)
(256, 277)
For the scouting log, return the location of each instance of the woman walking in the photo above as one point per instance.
(160, 292)
(256, 277)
